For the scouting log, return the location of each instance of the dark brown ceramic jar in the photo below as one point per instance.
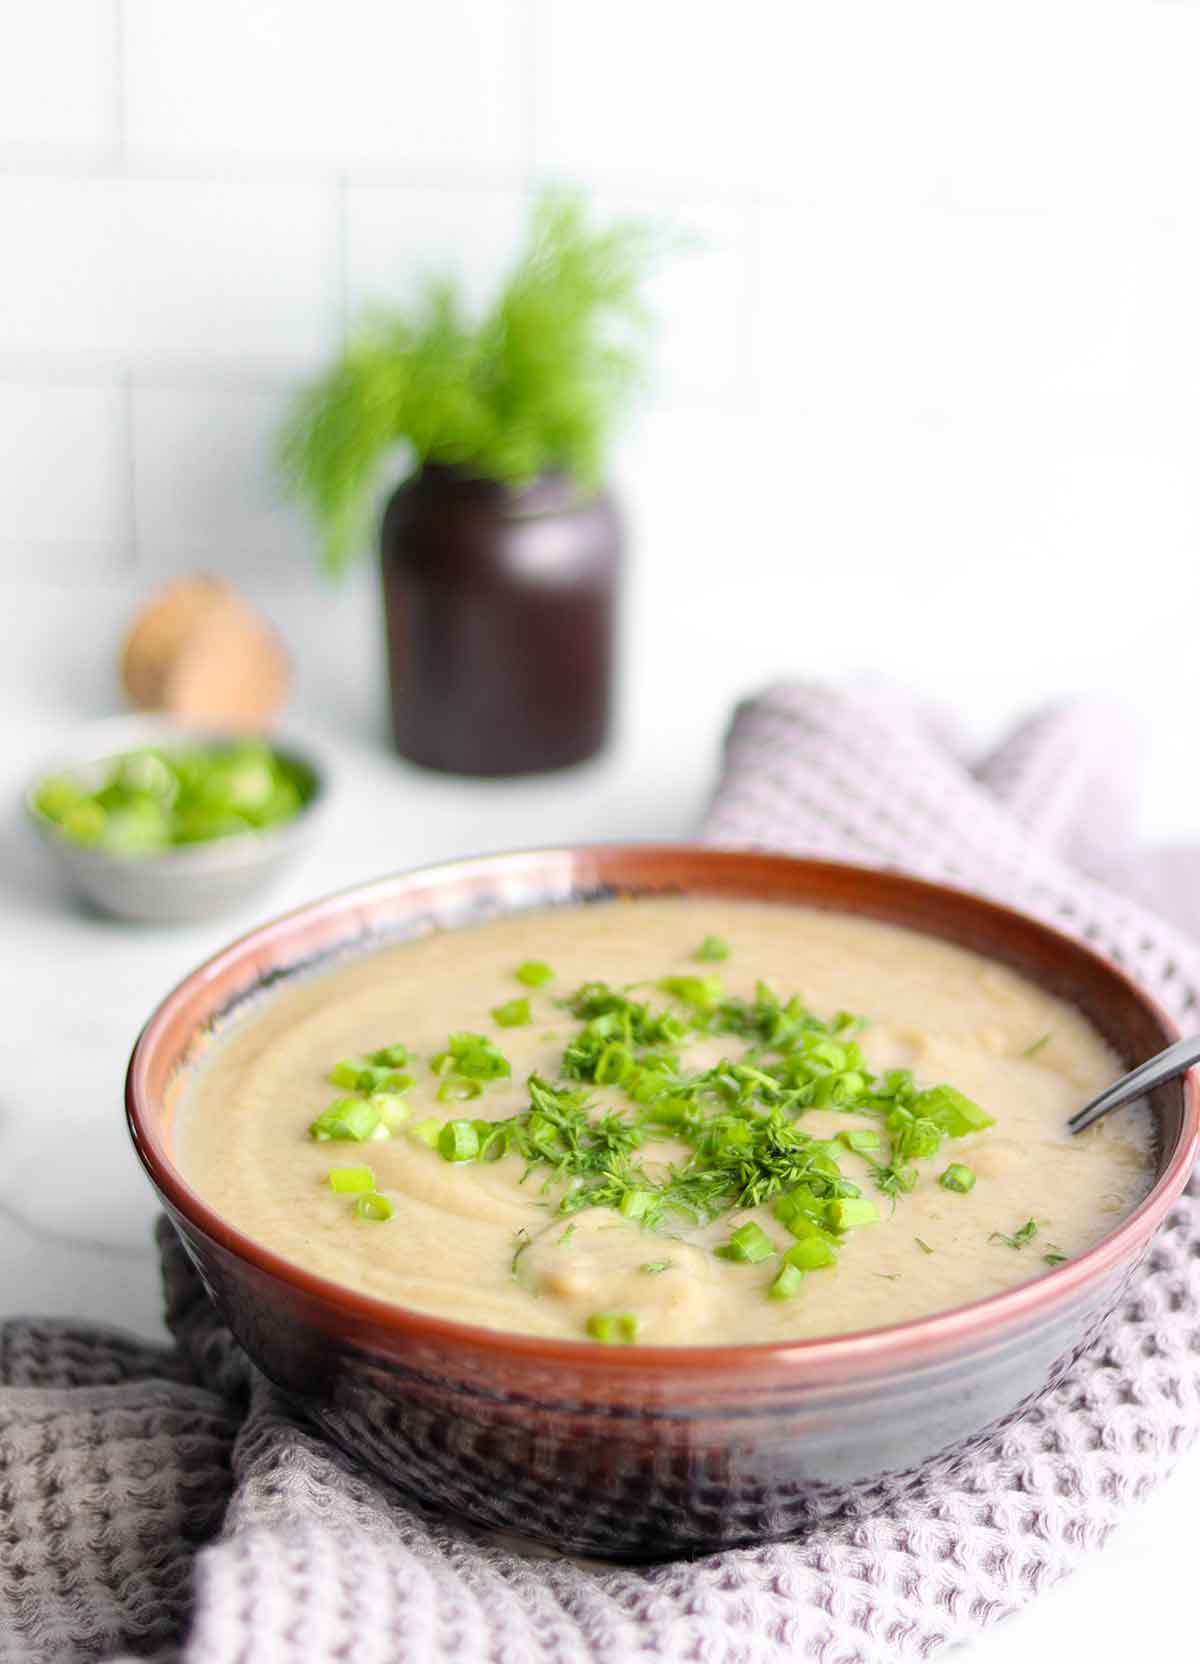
(500, 608)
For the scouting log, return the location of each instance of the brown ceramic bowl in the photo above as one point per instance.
(646, 1451)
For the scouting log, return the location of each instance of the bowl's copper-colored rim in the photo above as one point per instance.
(892, 1343)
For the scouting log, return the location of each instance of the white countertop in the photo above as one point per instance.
(75, 1211)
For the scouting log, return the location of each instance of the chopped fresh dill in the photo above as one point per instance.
(1019, 1238)
(522, 1239)
(652, 1267)
(1043, 1040)
(739, 1122)
(562, 1241)
(1054, 1255)
(922, 1245)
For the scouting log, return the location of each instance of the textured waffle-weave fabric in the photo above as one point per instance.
(165, 1503)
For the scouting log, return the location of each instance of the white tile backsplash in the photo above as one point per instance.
(207, 494)
(63, 479)
(647, 93)
(938, 330)
(59, 77)
(397, 235)
(358, 81)
(234, 276)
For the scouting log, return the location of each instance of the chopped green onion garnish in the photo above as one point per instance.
(350, 1179)
(364, 1074)
(346, 1118)
(613, 1328)
(155, 798)
(426, 1132)
(810, 1254)
(635, 1204)
(700, 992)
(512, 1014)
(458, 1141)
(458, 1089)
(748, 1244)
(741, 1121)
(859, 1140)
(950, 1110)
(472, 1055)
(788, 1282)
(848, 1212)
(390, 1107)
(372, 1206)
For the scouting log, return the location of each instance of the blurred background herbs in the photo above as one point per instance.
(533, 386)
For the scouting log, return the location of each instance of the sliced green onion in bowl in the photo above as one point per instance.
(613, 1328)
(156, 798)
(371, 1205)
(350, 1180)
(748, 1244)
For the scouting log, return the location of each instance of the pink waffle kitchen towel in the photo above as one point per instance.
(166, 1504)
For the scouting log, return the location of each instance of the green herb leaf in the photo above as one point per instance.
(957, 1177)
(951, 1111)
(712, 949)
(1019, 1238)
(425, 1132)
(522, 1240)
(160, 797)
(702, 992)
(512, 1014)
(859, 1140)
(458, 1141)
(534, 973)
(788, 1282)
(846, 1213)
(472, 1056)
(811, 1253)
(352, 1119)
(349, 1180)
(613, 1328)
(371, 1205)
(748, 1244)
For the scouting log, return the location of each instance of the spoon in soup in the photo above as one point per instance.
(1165, 1066)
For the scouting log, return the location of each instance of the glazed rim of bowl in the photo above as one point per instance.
(156, 731)
(218, 986)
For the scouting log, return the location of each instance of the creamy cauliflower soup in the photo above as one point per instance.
(666, 1120)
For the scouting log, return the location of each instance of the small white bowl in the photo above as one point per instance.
(188, 883)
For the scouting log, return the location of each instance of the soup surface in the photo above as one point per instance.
(680, 1121)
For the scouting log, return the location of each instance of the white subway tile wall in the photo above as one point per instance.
(935, 333)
